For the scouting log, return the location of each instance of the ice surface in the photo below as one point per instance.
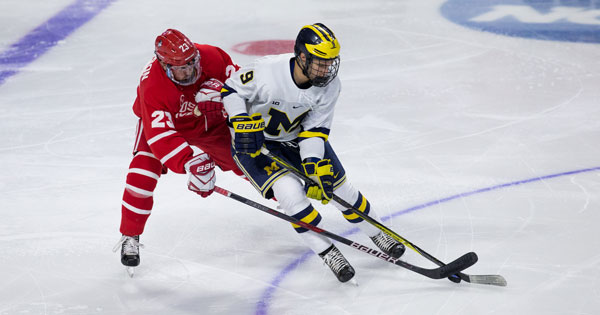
(429, 110)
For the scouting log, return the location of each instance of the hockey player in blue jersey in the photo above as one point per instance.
(286, 103)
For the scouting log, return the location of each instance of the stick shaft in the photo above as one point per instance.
(461, 263)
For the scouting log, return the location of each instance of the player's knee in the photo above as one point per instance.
(346, 192)
(144, 172)
(289, 192)
(146, 161)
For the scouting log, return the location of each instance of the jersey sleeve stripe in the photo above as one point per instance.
(161, 135)
(310, 134)
(173, 153)
(226, 90)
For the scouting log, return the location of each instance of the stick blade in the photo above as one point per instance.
(463, 262)
(496, 280)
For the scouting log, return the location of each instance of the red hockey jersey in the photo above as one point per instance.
(166, 109)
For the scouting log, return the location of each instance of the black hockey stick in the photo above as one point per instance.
(461, 263)
(497, 280)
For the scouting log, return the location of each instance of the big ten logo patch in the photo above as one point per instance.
(560, 20)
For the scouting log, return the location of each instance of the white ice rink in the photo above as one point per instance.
(462, 140)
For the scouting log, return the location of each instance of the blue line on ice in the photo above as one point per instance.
(263, 304)
(37, 42)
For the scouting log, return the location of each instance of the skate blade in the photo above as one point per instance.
(130, 271)
(353, 281)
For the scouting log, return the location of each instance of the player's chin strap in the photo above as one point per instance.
(461, 263)
(497, 280)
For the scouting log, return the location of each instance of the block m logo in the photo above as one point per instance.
(281, 119)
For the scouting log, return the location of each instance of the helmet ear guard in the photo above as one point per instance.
(322, 49)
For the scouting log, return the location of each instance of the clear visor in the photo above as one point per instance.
(185, 74)
(188, 66)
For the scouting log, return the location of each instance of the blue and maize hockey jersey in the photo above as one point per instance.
(290, 112)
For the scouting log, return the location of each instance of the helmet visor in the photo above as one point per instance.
(186, 74)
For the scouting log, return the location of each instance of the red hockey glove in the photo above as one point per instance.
(201, 170)
(209, 101)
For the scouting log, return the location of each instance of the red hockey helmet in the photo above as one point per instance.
(176, 51)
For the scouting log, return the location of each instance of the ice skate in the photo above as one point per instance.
(388, 245)
(130, 252)
(338, 263)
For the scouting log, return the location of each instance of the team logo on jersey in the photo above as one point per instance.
(561, 20)
(186, 107)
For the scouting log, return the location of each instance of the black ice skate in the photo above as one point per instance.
(130, 252)
(388, 245)
(338, 264)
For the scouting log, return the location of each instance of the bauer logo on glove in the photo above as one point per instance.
(249, 126)
(204, 167)
(201, 170)
(249, 136)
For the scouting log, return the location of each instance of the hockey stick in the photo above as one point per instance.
(497, 280)
(461, 263)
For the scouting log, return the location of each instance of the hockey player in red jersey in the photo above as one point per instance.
(182, 127)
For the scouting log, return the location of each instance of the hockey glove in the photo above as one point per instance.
(208, 100)
(201, 170)
(249, 136)
(321, 172)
